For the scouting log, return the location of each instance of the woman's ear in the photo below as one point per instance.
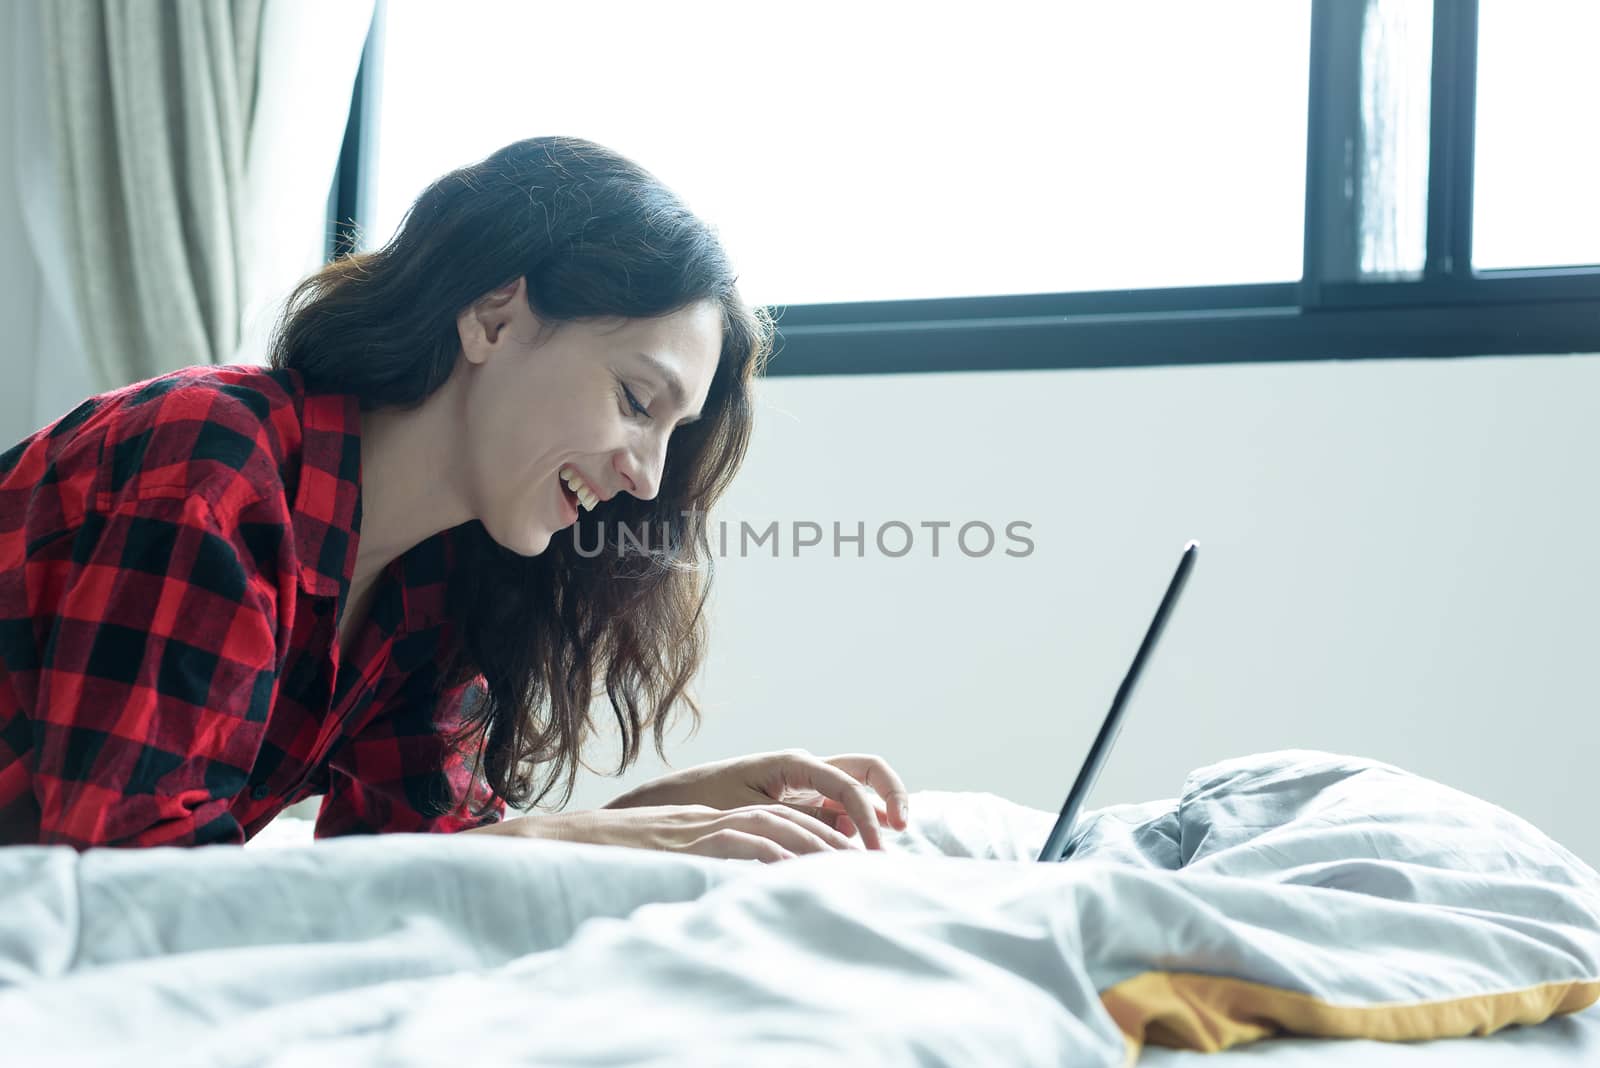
(481, 324)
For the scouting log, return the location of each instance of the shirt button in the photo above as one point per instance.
(259, 793)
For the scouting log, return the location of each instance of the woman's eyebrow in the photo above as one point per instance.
(674, 385)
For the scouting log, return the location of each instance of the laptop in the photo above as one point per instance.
(1055, 847)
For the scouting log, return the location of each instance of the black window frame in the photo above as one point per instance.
(350, 198)
(1451, 311)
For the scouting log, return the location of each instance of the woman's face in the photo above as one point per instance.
(535, 405)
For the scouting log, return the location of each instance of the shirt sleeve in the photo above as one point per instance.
(400, 774)
(157, 678)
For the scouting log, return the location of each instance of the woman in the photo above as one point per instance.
(370, 571)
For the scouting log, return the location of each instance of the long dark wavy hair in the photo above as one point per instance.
(596, 236)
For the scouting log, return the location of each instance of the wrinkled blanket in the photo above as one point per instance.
(1293, 892)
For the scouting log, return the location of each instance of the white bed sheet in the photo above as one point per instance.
(985, 826)
(1320, 875)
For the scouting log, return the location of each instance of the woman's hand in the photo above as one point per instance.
(767, 833)
(837, 791)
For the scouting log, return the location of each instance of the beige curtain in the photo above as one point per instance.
(150, 104)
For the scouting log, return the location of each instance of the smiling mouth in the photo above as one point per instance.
(566, 492)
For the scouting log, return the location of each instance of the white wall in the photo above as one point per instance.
(1398, 559)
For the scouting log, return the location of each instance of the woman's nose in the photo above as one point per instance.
(641, 474)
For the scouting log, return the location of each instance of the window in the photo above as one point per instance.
(927, 187)
(851, 151)
(1396, 50)
(1537, 191)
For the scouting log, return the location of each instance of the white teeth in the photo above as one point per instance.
(586, 496)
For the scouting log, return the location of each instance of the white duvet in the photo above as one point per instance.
(1289, 891)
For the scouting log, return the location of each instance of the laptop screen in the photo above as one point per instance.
(1055, 846)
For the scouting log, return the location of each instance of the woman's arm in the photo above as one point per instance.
(155, 679)
(399, 774)
(555, 826)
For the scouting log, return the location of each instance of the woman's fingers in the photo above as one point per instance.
(876, 773)
(788, 829)
(825, 828)
(833, 814)
(832, 782)
(729, 843)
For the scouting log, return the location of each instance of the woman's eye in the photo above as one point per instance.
(633, 403)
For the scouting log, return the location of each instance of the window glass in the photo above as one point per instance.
(881, 151)
(1536, 190)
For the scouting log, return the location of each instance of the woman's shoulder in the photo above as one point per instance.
(220, 432)
(231, 435)
(231, 389)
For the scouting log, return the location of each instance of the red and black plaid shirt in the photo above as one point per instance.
(173, 558)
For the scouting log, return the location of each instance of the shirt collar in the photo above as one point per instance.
(327, 502)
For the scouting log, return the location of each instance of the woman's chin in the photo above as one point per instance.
(529, 541)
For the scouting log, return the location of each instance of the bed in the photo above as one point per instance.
(1274, 897)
